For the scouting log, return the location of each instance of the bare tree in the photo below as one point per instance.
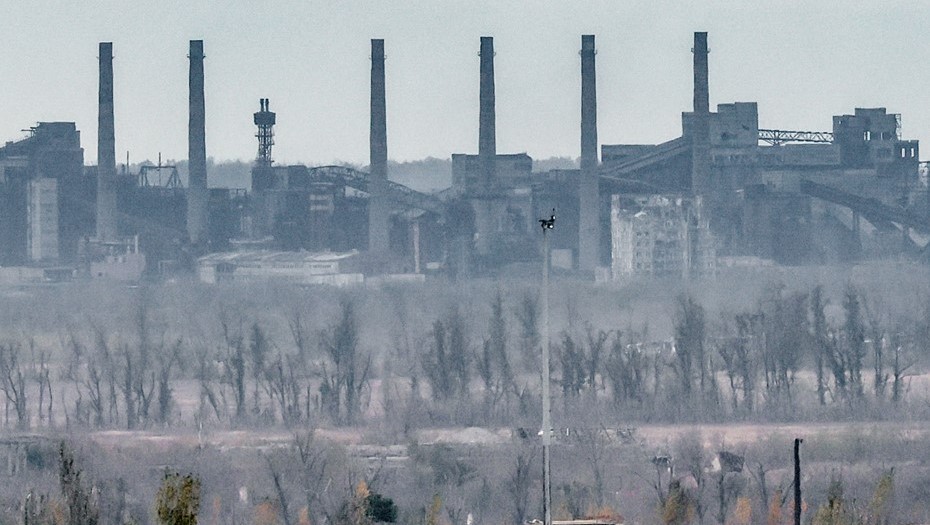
(626, 369)
(446, 361)
(875, 321)
(234, 364)
(342, 387)
(94, 388)
(493, 361)
(572, 365)
(299, 331)
(821, 343)
(284, 386)
(899, 367)
(137, 385)
(279, 491)
(521, 481)
(41, 374)
(166, 361)
(594, 444)
(205, 375)
(689, 451)
(786, 337)
(597, 341)
(13, 383)
(855, 338)
(314, 473)
(527, 314)
(436, 364)
(259, 348)
(730, 483)
(81, 505)
(689, 344)
(741, 353)
(104, 361)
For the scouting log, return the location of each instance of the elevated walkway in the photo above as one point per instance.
(398, 193)
(660, 153)
(879, 214)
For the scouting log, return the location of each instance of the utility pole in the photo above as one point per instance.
(797, 481)
(546, 224)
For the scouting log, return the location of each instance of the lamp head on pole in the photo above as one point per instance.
(548, 224)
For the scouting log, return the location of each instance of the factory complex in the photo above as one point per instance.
(728, 191)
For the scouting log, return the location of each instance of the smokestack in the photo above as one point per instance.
(700, 133)
(487, 136)
(588, 200)
(588, 104)
(701, 89)
(196, 149)
(106, 149)
(377, 181)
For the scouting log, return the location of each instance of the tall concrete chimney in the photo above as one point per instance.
(487, 135)
(701, 90)
(700, 133)
(106, 149)
(196, 150)
(588, 104)
(588, 200)
(377, 181)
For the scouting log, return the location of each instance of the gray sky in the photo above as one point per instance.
(803, 61)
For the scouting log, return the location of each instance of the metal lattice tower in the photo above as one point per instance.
(265, 120)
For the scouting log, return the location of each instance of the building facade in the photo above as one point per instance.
(660, 236)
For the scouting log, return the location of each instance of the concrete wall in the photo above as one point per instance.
(735, 124)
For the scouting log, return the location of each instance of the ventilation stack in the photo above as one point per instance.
(701, 89)
(588, 200)
(196, 150)
(700, 134)
(378, 212)
(487, 135)
(106, 149)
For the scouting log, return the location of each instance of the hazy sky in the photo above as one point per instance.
(803, 61)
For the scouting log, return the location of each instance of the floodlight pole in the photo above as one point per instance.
(547, 224)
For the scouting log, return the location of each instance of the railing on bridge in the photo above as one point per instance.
(777, 137)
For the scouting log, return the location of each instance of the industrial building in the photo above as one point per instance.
(294, 267)
(727, 186)
(774, 193)
(794, 197)
(47, 206)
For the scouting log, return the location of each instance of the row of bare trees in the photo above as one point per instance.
(113, 379)
(749, 363)
(252, 378)
(791, 353)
